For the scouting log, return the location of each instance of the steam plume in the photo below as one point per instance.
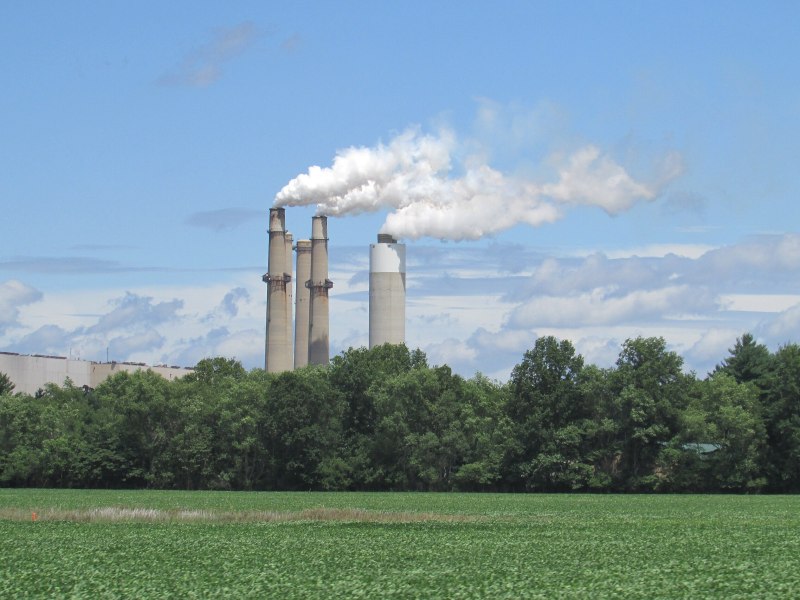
(413, 177)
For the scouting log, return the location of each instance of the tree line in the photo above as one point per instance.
(384, 419)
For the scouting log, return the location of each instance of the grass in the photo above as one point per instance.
(320, 545)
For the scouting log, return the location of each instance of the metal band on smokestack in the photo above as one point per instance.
(302, 295)
(387, 292)
(318, 286)
(278, 345)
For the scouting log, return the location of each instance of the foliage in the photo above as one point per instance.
(383, 419)
(749, 361)
(6, 385)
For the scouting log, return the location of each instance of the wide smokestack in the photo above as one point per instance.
(387, 292)
(302, 295)
(318, 286)
(278, 346)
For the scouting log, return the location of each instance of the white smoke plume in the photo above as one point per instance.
(413, 176)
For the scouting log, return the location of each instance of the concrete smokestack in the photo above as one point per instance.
(289, 295)
(278, 355)
(302, 295)
(387, 292)
(318, 286)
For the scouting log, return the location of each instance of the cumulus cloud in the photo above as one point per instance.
(230, 303)
(436, 185)
(711, 348)
(451, 352)
(48, 339)
(556, 277)
(134, 310)
(13, 295)
(601, 306)
(756, 257)
(203, 66)
(191, 350)
(127, 345)
(781, 328)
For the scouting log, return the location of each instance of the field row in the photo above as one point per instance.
(510, 546)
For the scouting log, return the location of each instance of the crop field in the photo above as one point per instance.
(154, 544)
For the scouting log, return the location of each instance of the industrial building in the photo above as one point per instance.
(30, 373)
(387, 295)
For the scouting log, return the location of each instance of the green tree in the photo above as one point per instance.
(782, 417)
(146, 419)
(354, 374)
(211, 371)
(241, 434)
(748, 360)
(487, 433)
(6, 385)
(22, 431)
(650, 392)
(550, 418)
(304, 416)
(721, 442)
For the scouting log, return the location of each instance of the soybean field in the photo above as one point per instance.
(156, 544)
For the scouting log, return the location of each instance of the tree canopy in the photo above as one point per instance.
(384, 419)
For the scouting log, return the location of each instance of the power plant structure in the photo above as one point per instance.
(387, 292)
(301, 299)
(318, 286)
(278, 351)
(387, 295)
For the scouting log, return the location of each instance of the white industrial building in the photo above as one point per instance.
(31, 372)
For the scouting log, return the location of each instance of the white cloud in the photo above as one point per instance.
(47, 339)
(661, 250)
(711, 348)
(601, 306)
(770, 303)
(13, 295)
(464, 308)
(128, 345)
(450, 352)
(767, 253)
(133, 310)
(782, 328)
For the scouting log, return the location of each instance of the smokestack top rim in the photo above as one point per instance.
(277, 220)
(319, 227)
(385, 238)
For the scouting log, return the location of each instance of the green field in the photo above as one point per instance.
(304, 545)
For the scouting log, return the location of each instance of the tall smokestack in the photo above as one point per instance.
(387, 292)
(318, 286)
(302, 294)
(289, 295)
(278, 346)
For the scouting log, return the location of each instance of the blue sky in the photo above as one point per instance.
(143, 144)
